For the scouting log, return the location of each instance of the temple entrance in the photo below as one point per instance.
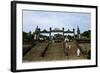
(59, 34)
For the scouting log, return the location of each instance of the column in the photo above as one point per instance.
(50, 33)
(74, 32)
(63, 33)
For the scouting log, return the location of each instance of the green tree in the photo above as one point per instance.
(27, 37)
(87, 34)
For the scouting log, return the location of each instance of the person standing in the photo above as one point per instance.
(78, 52)
(66, 47)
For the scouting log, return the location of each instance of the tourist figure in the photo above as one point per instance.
(78, 52)
(66, 47)
(69, 46)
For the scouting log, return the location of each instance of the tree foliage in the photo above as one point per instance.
(27, 37)
(87, 34)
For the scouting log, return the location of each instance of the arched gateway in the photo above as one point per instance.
(38, 32)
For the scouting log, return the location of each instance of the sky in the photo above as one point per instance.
(55, 19)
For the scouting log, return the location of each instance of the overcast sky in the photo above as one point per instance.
(47, 19)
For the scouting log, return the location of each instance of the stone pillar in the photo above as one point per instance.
(39, 33)
(35, 36)
(78, 32)
(63, 33)
(74, 32)
(50, 33)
